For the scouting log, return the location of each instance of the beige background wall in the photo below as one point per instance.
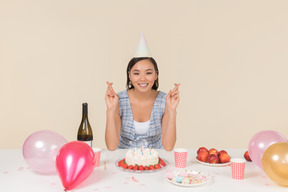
(229, 56)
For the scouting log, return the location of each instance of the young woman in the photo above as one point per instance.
(141, 115)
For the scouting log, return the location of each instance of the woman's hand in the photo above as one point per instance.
(172, 99)
(113, 120)
(111, 98)
(169, 119)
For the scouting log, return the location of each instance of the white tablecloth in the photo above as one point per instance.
(15, 175)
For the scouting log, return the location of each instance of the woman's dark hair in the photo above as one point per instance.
(132, 62)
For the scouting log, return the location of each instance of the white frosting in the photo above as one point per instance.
(145, 158)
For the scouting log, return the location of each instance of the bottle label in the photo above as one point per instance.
(90, 143)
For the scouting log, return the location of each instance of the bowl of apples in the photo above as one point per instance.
(212, 157)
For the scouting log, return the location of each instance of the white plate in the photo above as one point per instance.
(213, 165)
(139, 171)
(196, 173)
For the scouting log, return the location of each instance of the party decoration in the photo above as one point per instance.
(40, 150)
(275, 163)
(142, 49)
(74, 162)
(260, 142)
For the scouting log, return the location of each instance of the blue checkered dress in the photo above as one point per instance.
(128, 137)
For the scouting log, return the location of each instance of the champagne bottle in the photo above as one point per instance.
(85, 132)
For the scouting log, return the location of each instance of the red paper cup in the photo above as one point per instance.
(180, 155)
(238, 168)
(97, 152)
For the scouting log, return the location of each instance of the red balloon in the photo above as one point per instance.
(74, 163)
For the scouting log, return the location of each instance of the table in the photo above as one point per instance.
(15, 175)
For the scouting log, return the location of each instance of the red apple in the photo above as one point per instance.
(222, 152)
(213, 151)
(202, 149)
(213, 159)
(224, 158)
(246, 156)
(203, 156)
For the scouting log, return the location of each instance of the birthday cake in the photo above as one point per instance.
(142, 159)
(142, 156)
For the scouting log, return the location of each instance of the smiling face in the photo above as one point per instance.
(143, 75)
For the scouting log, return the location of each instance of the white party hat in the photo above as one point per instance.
(142, 49)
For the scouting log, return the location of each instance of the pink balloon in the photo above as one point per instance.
(40, 150)
(74, 162)
(260, 142)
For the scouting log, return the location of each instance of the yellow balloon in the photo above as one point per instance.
(275, 162)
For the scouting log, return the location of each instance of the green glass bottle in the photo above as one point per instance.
(85, 133)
